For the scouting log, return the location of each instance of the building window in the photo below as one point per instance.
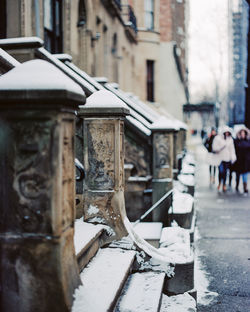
(82, 14)
(114, 44)
(150, 81)
(149, 14)
(53, 25)
(3, 19)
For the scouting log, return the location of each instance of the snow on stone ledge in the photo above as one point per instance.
(182, 202)
(187, 169)
(173, 235)
(179, 303)
(149, 230)
(189, 159)
(186, 179)
(139, 125)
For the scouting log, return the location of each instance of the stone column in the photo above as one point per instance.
(103, 118)
(38, 268)
(163, 157)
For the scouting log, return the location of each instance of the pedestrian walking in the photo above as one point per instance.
(242, 149)
(211, 158)
(223, 146)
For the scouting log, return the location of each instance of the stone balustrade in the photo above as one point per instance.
(38, 267)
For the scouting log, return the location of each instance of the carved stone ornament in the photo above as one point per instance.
(162, 150)
(101, 153)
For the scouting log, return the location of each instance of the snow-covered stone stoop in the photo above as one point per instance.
(177, 238)
(127, 273)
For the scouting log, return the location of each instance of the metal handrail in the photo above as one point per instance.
(81, 170)
(156, 205)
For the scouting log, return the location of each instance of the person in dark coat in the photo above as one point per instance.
(242, 149)
(208, 144)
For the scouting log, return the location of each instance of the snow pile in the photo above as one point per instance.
(201, 277)
(124, 243)
(149, 230)
(154, 264)
(175, 243)
(187, 169)
(178, 253)
(158, 260)
(179, 303)
(182, 202)
(189, 159)
(174, 235)
(186, 179)
(92, 209)
(180, 187)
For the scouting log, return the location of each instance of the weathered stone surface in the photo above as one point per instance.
(38, 268)
(137, 200)
(163, 155)
(104, 161)
(137, 155)
(30, 164)
(99, 162)
(37, 273)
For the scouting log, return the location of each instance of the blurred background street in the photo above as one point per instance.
(222, 244)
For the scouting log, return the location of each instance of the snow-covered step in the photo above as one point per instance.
(102, 280)
(142, 292)
(179, 303)
(86, 241)
(150, 231)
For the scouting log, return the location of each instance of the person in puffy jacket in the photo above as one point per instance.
(242, 165)
(223, 146)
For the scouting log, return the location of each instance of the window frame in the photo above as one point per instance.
(150, 67)
(149, 12)
(53, 37)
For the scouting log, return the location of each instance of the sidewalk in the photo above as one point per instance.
(222, 245)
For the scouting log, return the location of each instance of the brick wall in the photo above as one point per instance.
(165, 21)
(173, 28)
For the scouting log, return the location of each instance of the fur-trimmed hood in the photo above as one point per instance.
(247, 131)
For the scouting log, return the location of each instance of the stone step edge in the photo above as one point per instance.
(89, 233)
(105, 275)
(142, 292)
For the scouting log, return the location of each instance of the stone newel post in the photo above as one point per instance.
(163, 155)
(38, 270)
(103, 117)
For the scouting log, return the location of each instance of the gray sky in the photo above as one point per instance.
(208, 48)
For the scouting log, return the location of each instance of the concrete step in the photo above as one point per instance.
(180, 303)
(87, 241)
(142, 292)
(150, 231)
(102, 280)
